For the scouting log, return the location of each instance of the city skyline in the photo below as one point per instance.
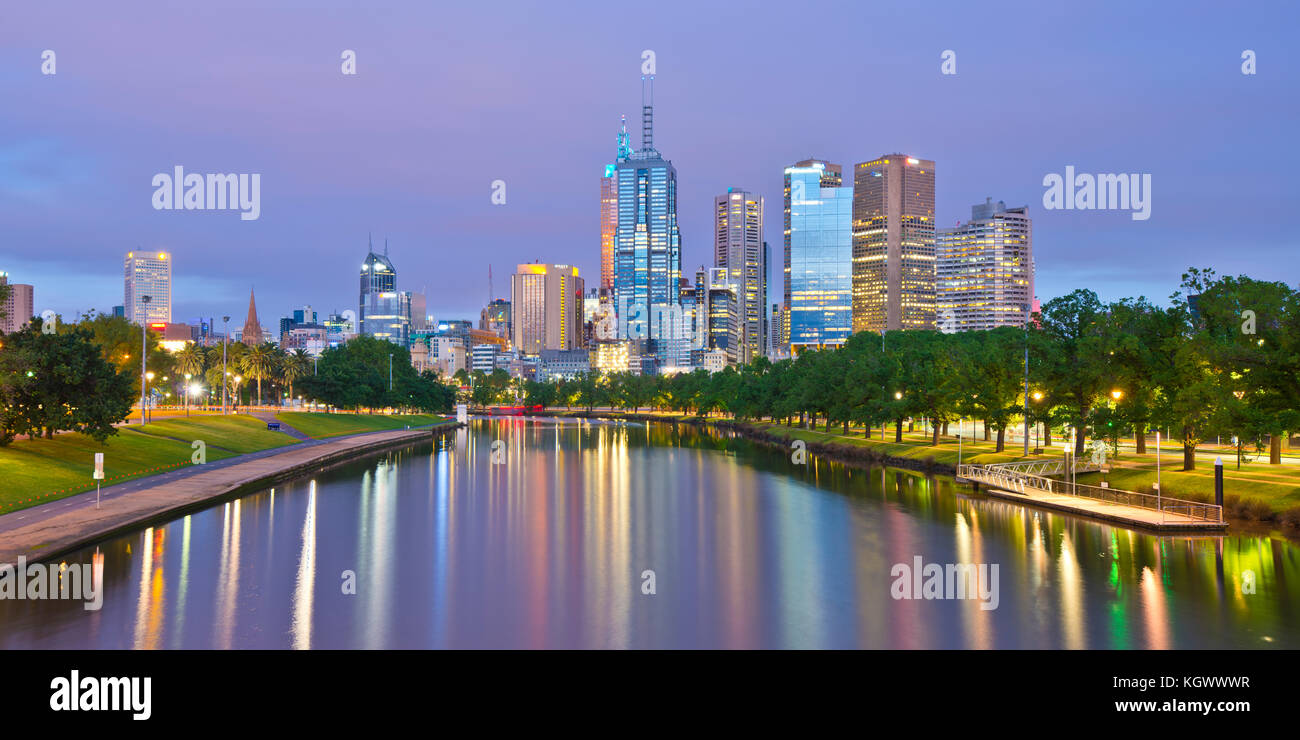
(77, 196)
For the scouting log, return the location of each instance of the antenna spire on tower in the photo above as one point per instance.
(648, 113)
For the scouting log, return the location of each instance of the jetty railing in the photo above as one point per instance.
(1015, 477)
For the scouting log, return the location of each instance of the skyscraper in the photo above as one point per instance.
(383, 312)
(893, 244)
(18, 306)
(609, 211)
(148, 274)
(985, 269)
(647, 245)
(718, 314)
(495, 318)
(818, 255)
(546, 308)
(738, 248)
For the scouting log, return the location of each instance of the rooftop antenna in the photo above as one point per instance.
(490, 292)
(370, 241)
(624, 148)
(647, 113)
(385, 246)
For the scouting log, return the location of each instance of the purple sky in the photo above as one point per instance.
(449, 97)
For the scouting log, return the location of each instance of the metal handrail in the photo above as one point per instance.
(1008, 477)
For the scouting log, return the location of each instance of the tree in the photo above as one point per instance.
(258, 363)
(1071, 351)
(1141, 336)
(990, 375)
(294, 366)
(59, 382)
(1251, 328)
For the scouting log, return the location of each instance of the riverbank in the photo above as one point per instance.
(46, 531)
(940, 460)
(37, 471)
(1247, 502)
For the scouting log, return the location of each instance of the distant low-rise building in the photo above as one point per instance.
(554, 364)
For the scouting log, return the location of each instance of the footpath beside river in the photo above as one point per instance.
(46, 531)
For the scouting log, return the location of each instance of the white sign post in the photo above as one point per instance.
(99, 475)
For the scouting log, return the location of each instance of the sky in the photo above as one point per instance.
(449, 97)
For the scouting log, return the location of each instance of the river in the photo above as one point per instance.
(554, 533)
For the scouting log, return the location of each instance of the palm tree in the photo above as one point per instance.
(293, 367)
(259, 362)
(189, 361)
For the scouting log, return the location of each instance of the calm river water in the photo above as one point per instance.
(549, 533)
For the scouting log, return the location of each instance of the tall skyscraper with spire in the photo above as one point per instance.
(252, 334)
(609, 210)
(647, 245)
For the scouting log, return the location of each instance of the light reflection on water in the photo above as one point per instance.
(748, 550)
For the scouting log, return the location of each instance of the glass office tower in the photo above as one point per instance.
(647, 245)
(819, 254)
(383, 311)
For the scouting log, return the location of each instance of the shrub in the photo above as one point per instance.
(1258, 510)
(1291, 517)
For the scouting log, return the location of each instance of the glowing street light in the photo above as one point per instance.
(1117, 394)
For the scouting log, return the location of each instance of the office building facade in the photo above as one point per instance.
(19, 305)
(893, 244)
(738, 248)
(383, 311)
(818, 255)
(985, 270)
(148, 274)
(546, 308)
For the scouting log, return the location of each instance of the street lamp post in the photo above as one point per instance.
(390, 371)
(149, 379)
(1158, 507)
(1027, 307)
(225, 338)
(187, 394)
(144, 353)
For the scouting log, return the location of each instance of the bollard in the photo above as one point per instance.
(1218, 481)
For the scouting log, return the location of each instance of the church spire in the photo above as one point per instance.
(252, 327)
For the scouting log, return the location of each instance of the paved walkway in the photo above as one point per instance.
(59, 526)
(270, 416)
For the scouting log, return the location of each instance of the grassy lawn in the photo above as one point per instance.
(915, 445)
(38, 471)
(238, 434)
(1277, 486)
(318, 426)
